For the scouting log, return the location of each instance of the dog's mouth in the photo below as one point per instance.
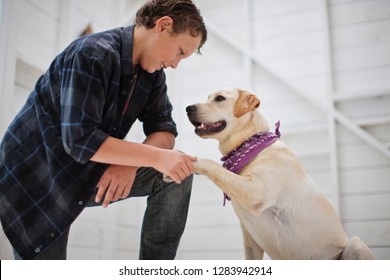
(208, 128)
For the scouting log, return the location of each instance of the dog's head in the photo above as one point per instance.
(226, 112)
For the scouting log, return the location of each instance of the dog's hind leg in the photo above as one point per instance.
(356, 250)
(252, 250)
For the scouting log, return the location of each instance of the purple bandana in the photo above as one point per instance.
(237, 159)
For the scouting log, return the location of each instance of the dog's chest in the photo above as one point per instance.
(266, 226)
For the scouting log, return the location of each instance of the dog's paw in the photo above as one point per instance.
(203, 165)
(167, 179)
(197, 166)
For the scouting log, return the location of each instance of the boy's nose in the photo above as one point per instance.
(175, 63)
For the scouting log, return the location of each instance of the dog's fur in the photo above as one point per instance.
(281, 211)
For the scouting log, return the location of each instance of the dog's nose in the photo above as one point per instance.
(190, 109)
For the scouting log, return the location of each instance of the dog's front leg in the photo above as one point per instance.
(246, 190)
(252, 249)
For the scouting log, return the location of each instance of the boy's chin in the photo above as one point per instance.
(151, 70)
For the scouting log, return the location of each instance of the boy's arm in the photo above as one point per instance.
(126, 157)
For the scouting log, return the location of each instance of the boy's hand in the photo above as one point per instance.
(115, 183)
(175, 166)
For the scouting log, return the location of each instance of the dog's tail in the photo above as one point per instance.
(356, 250)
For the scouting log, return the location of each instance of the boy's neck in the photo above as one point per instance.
(139, 39)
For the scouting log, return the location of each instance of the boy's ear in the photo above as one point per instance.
(164, 23)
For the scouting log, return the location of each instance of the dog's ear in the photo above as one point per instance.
(245, 102)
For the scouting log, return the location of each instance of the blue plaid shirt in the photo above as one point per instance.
(46, 176)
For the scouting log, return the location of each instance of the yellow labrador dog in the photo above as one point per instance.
(280, 209)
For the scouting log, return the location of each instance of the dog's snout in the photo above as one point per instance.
(190, 109)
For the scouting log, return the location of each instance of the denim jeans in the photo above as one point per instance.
(164, 219)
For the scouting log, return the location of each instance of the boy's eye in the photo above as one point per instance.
(219, 98)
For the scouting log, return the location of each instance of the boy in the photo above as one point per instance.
(64, 149)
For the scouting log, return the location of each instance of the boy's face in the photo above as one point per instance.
(165, 49)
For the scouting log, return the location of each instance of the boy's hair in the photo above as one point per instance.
(186, 17)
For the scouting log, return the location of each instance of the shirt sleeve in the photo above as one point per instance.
(84, 82)
(157, 114)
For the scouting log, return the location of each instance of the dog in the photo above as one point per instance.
(281, 211)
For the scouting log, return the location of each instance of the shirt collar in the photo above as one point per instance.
(127, 51)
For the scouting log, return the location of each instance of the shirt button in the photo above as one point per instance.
(52, 235)
(37, 250)
(81, 203)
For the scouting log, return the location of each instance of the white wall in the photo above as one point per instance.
(321, 70)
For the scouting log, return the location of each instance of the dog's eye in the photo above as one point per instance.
(219, 98)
